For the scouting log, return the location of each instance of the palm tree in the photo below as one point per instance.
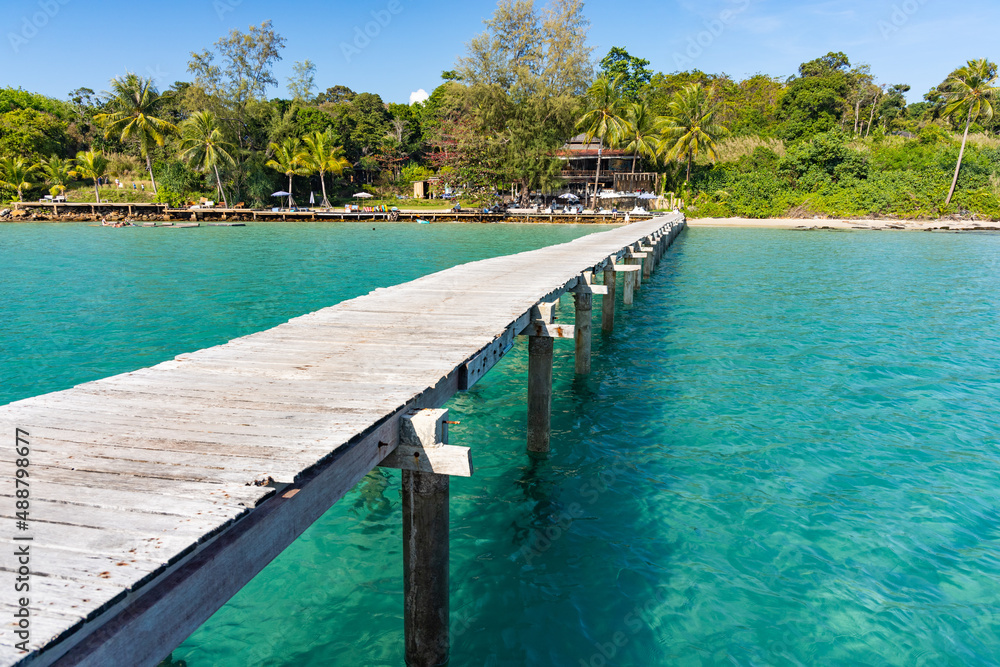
(91, 165)
(603, 118)
(971, 92)
(689, 126)
(641, 132)
(203, 146)
(58, 173)
(322, 156)
(133, 105)
(14, 174)
(288, 159)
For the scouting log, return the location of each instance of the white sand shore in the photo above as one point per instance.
(812, 223)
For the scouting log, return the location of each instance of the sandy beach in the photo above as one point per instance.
(812, 223)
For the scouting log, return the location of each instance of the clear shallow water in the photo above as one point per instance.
(80, 303)
(787, 453)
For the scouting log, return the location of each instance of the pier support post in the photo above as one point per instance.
(584, 309)
(608, 306)
(539, 393)
(425, 568)
(632, 273)
(629, 296)
(425, 546)
(647, 262)
(638, 259)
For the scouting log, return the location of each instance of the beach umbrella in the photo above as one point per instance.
(281, 193)
(647, 195)
(363, 195)
(569, 196)
(312, 198)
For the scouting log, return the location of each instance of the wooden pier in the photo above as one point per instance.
(150, 498)
(220, 214)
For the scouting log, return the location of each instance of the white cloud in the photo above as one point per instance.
(418, 96)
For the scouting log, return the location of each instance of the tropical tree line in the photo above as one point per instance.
(134, 114)
(497, 123)
(687, 129)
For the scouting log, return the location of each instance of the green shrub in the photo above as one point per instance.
(177, 177)
(828, 176)
(981, 202)
(414, 172)
(825, 157)
(164, 195)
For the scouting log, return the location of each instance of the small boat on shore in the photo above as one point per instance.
(187, 224)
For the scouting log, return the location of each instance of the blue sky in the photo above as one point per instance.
(54, 46)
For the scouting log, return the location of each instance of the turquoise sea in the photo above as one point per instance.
(788, 452)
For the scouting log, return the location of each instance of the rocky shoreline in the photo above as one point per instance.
(39, 215)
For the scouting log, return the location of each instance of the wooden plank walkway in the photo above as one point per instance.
(156, 495)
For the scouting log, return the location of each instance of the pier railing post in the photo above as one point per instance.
(608, 306)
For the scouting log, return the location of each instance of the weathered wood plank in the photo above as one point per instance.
(190, 593)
